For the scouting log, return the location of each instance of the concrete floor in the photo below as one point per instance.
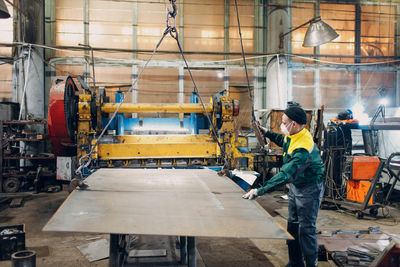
(59, 249)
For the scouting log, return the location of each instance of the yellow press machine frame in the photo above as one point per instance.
(193, 149)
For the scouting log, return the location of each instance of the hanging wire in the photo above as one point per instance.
(244, 62)
(260, 136)
(85, 160)
(174, 34)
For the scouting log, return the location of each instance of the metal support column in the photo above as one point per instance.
(181, 84)
(191, 247)
(49, 37)
(357, 51)
(86, 40)
(226, 28)
(134, 94)
(113, 258)
(183, 247)
(135, 89)
(317, 72)
(226, 79)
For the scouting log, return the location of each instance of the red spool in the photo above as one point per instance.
(62, 116)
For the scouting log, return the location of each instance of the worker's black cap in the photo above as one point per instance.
(296, 113)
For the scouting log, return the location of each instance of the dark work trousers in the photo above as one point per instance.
(303, 211)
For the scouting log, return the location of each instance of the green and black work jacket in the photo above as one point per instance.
(302, 164)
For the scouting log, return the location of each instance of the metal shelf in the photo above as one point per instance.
(12, 130)
(49, 157)
(23, 140)
(24, 122)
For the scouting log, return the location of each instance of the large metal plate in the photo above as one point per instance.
(174, 202)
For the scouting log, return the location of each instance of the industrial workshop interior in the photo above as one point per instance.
(212, 133)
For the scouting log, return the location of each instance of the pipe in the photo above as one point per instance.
(24, 258)
(156, 108)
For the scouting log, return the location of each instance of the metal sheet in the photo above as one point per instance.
(175, 202)
(96, 250)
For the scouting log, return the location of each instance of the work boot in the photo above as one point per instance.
(295, 255)
(311, 260)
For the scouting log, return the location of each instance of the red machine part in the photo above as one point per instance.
(62, 116)
(235, 108)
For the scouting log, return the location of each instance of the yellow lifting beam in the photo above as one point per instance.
(156, 108)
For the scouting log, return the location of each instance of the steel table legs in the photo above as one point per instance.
(188, 251)
(191, 246)
(114, 248)
(117, 250)
(183, 247)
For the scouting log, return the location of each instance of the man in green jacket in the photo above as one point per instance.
(303, 169)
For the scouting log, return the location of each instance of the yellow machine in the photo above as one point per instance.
(77, 117)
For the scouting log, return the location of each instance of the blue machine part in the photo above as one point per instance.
(190, 125)
(119, 97)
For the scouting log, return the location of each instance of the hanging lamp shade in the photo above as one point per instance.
(3, 10)
(319, 33)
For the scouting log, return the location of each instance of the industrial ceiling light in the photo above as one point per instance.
(318, 33)
(3, 10)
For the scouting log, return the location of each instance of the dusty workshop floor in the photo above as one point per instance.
(59, 249)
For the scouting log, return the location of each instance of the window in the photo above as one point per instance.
(337, 89)
(204, 27)
(377, 31)
(110, 26)
(151, 24)
(246, 17)
(301, 13)
(158, 85)
(342, 19)
(69, 26)
(377, 41)
(209, 82)
(303, 88)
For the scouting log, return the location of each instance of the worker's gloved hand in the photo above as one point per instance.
(252, 194)
(263, 129)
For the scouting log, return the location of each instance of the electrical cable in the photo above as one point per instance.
(310, 58)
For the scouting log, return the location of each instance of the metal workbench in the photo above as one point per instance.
(173, 202)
